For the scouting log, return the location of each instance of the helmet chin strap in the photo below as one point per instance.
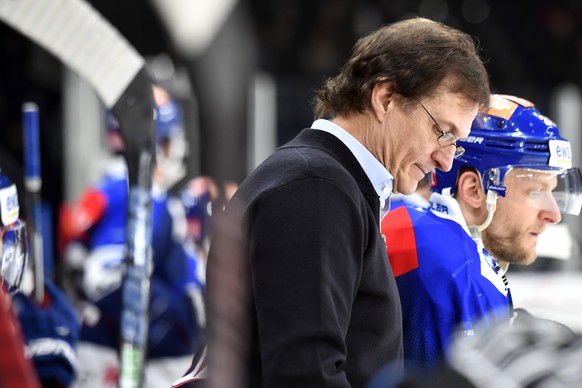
(491, 205)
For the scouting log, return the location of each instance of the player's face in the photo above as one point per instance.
(522, 216)
(413, 150)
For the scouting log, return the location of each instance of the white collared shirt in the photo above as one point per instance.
(381, 179)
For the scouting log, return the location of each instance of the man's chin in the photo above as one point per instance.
(524, 260)
(405, 188)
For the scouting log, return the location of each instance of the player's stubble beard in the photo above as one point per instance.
(505, 243)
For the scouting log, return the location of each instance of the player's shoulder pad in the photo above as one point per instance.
(417, 238)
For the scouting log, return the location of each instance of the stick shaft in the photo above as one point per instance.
(134, 112)
(33, 184)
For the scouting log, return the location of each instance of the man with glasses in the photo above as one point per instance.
(445, 139)
(321, 300)
(512, 181)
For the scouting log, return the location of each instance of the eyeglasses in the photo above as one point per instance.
(445, 139)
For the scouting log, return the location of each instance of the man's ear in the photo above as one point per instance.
(470, 190)
(381, 98)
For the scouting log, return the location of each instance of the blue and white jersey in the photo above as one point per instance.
(174, 328)
(415, 200)
(447, 281)
(171, 261)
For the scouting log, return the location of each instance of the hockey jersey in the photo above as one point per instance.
(99, 220)
(447, 281)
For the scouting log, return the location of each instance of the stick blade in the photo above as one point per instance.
(74, 32)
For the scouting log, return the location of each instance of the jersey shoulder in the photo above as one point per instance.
(418, 238)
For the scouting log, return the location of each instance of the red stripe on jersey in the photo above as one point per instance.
(400, 241)
(76, 219)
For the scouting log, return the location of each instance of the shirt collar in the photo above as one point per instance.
(378, 174)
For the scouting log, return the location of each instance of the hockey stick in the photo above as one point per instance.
(84, 41)
(33, 184)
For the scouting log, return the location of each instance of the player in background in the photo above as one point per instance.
(199, 196)
(512, 181)
(15, 368)
(202, 199)
(45, 334)
(97, 222)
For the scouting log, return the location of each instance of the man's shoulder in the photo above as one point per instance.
(419, 239)
(418, 218)
(289, 165)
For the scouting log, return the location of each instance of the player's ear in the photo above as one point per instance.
(470, 189)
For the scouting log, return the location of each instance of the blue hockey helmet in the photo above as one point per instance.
(514, 136)
(167, 115)
(171, 144)
(14, 242)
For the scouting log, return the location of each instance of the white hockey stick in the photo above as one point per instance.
(84, 41)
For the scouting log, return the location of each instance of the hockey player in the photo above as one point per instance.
(48, 331)
(202, 197)
(512, 181)
(51, 333)
(98, 220)
(198, 197)
(15, 368)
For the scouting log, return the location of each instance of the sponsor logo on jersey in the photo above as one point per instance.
(439, 207)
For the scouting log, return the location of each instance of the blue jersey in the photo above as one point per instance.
(171, 263)
(414, 200)
(174, 329)
(447, 281)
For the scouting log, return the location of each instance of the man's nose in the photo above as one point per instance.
(443, 157)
